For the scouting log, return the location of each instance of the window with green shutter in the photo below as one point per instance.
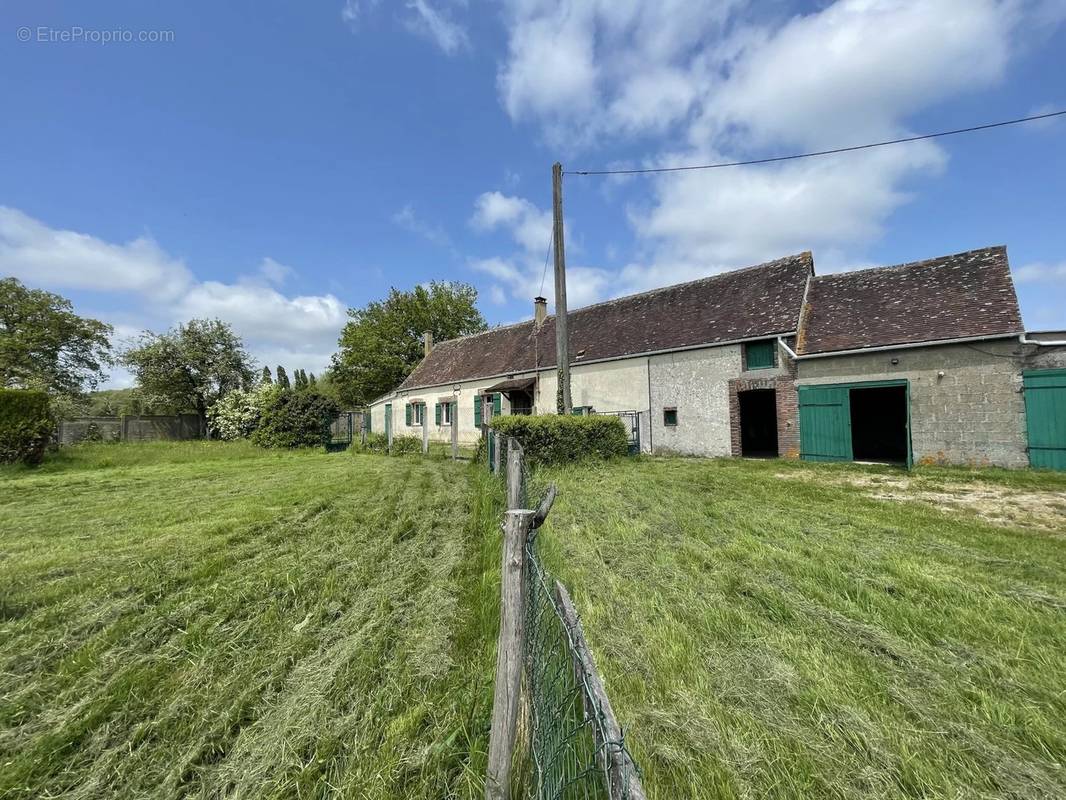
(497, 404)
(407, 414)
(760, 355)
(477, 411)
(436, 413)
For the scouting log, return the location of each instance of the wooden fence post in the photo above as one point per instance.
(514, 474)
(510, 654)
(455, 430)
(621, 771)
(496, 457)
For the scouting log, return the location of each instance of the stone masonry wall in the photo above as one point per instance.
(966, 399)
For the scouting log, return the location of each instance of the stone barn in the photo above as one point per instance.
(926, 361)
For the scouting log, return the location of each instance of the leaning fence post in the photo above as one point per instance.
(510, 654)
(621, 771)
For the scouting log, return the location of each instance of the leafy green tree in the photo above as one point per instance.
(283, 378)
(299, 381)
(266, 379)
(311, 382)
(190, 366)
(44, 345)
(382, 343)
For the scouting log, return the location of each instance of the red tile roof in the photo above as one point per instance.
(743, 304)
(968, 294)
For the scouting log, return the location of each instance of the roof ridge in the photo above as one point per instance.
(920, 263)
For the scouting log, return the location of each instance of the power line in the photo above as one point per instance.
(544, 272)
(818, 152)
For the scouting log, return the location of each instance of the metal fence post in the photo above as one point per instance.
(455, 430)
(510, 654)
(425, 429)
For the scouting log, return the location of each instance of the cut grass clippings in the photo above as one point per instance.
(764, 637)
(212, 620)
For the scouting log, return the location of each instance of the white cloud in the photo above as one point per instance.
(303, 327)
(32, 251)
(1040, 273)
(718, 82)
(437, 25)
(529, 225)
(411, 222)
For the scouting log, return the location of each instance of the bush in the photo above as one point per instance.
(406, 445)
(26, 425)
(236, 415)
(554, 439)
(296, 419)
(375, 443)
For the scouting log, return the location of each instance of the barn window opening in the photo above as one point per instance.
(670, 417)
(760, 355)
(758, 423)
(879, 424)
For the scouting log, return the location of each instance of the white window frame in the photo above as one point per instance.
(419, 414)
(446, 414)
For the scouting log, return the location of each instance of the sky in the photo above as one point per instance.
(274, 163)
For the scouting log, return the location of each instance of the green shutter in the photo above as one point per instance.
(437, 413)
(366, 421)
(1045, 417)
(407, 414)
(477, 411)
(825, 423)
(497, 404)
(759, 355)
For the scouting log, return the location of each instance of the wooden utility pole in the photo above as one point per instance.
(562, 341)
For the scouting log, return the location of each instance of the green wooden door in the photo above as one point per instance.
(825, 423)
(1045, 415)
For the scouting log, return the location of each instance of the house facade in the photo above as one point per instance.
(918, 362)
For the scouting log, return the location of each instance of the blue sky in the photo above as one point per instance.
(273, 163)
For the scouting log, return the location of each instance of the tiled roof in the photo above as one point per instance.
(952, 297)
(747, 303)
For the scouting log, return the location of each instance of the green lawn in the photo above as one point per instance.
(210, 619)
(770, 629)
(213, 620)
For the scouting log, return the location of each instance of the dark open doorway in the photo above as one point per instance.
(879, 424)
(758, 423)
(521, 402)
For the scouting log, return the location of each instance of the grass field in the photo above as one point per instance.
(208, 620)
(773, 629)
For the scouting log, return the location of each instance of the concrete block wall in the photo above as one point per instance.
(966, 399)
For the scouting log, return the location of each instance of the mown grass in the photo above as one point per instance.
(214, 620)
(767, 630)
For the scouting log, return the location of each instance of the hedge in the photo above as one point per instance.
(296, 419)
(555, 439)
(26, 425)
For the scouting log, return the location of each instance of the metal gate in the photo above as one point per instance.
(1045, 415)
(340, 432)
(631, 419)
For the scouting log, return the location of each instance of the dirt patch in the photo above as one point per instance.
(999, 505)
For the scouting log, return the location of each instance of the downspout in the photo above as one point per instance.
(789, 350)
(1055, 343)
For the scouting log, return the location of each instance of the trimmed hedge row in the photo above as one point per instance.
(26, 425)
(555, 439)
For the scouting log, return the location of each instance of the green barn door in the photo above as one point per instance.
(1045, 414)
(825, 423)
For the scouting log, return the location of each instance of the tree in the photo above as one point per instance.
(283, 378)
(266, 379)
(382, 342)
(44, 345)
(311, 382)
(190, 366)
(299, 381)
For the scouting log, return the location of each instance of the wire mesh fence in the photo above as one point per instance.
(576, 748)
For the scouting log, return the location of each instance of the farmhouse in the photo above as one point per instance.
(925, 361)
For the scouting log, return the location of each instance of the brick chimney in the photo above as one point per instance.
(427, 343)
(540, 310)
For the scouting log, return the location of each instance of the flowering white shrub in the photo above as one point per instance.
(236, 415)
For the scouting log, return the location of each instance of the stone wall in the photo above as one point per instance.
(966, 402)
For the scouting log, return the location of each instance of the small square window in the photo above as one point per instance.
(670, 417)
(760, 355)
